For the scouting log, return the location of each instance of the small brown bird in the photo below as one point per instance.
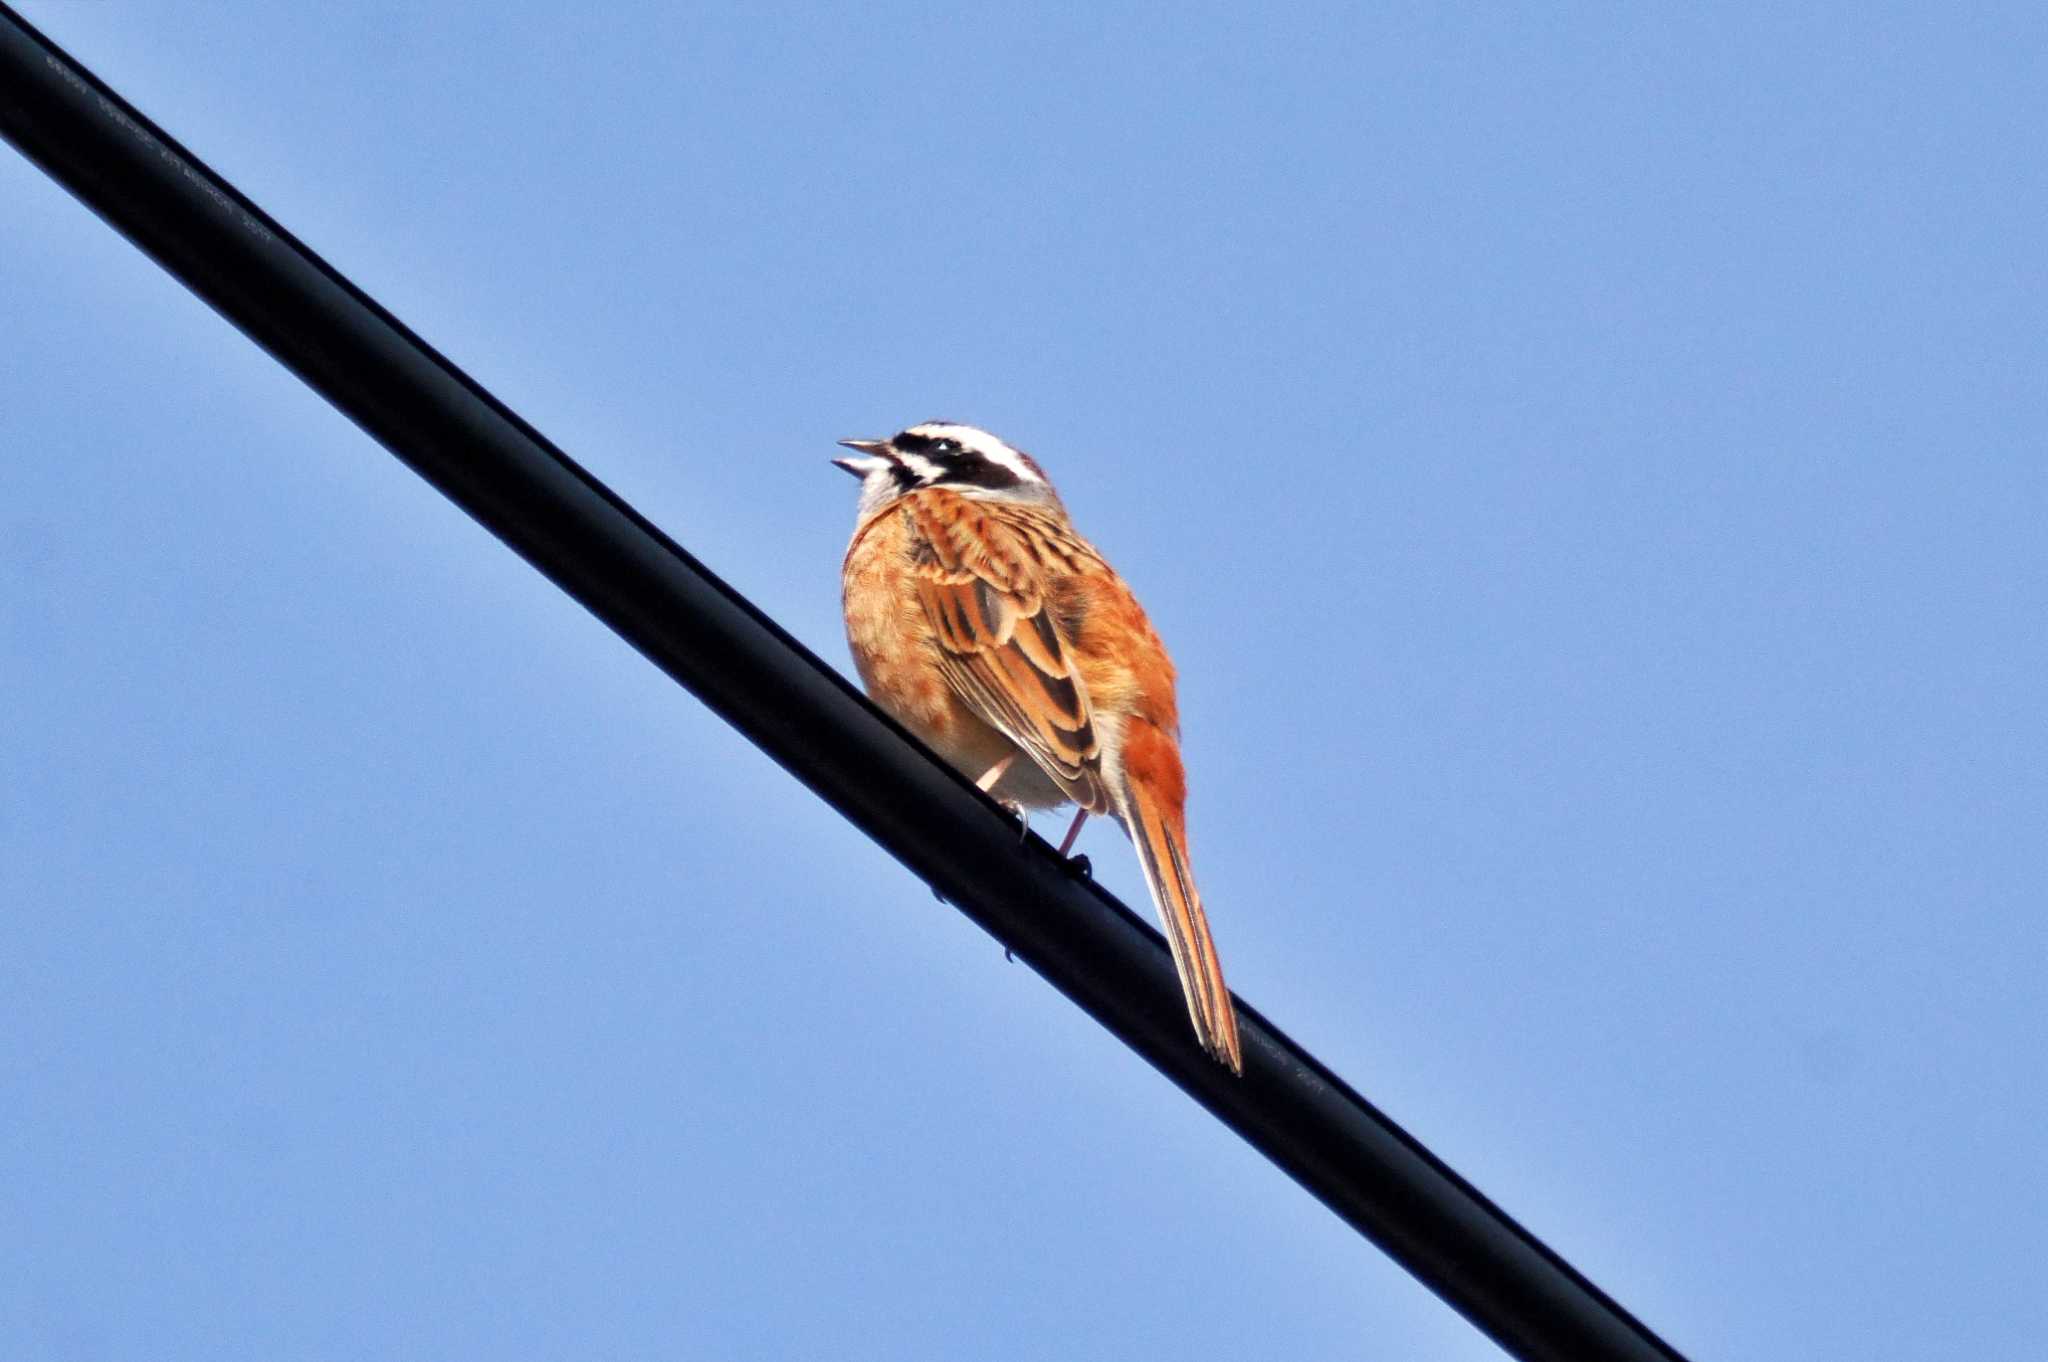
(988, 627)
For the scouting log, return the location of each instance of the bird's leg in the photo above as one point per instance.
(1073, 831)
(993, 774)
(987, 783)
(1079, 865)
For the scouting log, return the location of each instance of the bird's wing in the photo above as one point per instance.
(984, 572)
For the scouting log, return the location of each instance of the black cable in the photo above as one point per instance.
(767, 685)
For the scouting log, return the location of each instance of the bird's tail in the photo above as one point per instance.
(1150, 795)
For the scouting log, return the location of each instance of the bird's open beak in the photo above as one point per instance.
(875, 455)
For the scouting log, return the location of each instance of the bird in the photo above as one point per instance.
(983, 622)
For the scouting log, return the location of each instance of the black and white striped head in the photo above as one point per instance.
(964, 459)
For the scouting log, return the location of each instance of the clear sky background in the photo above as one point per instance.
(1589, 466)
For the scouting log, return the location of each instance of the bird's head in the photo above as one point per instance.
(964, 459)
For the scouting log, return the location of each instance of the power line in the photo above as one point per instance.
(803, 714)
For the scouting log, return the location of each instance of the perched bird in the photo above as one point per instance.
(988, 627)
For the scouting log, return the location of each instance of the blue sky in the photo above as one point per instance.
(1588, 465)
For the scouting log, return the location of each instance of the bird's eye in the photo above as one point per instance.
(945, 446)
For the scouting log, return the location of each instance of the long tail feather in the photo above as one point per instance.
(1158, 831)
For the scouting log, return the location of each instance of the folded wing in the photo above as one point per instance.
(984, 573)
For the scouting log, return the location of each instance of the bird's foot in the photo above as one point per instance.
(1023, 817)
